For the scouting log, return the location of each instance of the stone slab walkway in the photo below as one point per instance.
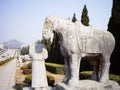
(7, 76)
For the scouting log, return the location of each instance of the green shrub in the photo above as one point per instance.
(24, 50)
(24, 67)
(85, 75)
(51, 79)
(28, 79)
(115, 78)
(55, 68)
(88, 74)
(28, 66)
(27, 71)
(23, 60)
(5, 61)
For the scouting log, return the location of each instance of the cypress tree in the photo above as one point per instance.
(114, 28)
(48, 45)
(55, 55)
(25, 50)
(84, 16)
(85, 64)
(74, 19)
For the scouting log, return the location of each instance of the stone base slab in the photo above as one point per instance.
(89, 85)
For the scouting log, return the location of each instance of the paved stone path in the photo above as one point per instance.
(7, 76)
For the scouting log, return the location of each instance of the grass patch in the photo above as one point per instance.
(85, 75)
(88, 74)
(28, 66)
(115, 78)
(55, 68)
(5, 61)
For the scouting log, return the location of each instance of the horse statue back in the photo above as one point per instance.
(92, 40)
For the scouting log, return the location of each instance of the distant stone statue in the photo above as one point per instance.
(77, 41)
(19, 61)
(39, 53)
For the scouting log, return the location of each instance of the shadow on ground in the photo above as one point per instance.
(20, 86)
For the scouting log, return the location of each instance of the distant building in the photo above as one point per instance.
(1, 46)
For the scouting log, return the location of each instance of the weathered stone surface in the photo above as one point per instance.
(39, 53)
(76, 41)
(89, 85)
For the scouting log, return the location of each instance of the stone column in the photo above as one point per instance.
(39, 53)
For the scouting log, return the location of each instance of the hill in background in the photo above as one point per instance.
(12, 44)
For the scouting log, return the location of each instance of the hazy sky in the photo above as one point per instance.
(23, 19)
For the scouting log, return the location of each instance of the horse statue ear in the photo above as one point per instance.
(48, 25)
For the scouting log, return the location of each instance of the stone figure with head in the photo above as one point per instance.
(39, 53)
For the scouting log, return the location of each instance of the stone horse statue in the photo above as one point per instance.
(77, 41)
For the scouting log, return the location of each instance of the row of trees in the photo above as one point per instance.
(84, 17)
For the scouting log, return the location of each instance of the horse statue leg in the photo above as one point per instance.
(74, 70)
(105, 69)
(95, 75)
(67, 70)
(97, 66)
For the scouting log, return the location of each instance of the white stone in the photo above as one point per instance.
(39, 74)
(77, 41)
(38, 52)
(89, 85)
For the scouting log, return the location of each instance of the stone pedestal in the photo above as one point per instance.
(89, 85)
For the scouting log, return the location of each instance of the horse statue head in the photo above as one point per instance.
(57, 24)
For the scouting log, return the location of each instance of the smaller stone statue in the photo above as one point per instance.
(38, 53)
(19, 61)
